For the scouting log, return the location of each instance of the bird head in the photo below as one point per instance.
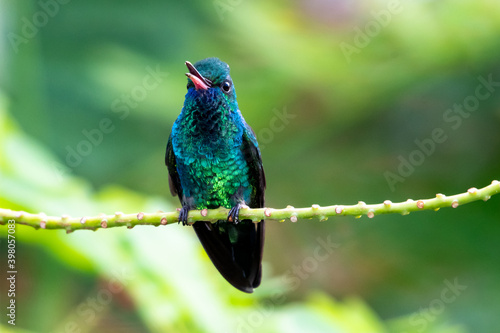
(210, 77)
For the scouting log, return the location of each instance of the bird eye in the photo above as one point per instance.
(226, 86)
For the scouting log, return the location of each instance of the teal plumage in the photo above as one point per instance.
(214, 161)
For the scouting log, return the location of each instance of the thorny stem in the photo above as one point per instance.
(315, 211)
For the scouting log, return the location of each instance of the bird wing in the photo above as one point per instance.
(253, 158)
(258, 180)
(174, 181)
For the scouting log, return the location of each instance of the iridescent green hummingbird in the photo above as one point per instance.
(213, 160)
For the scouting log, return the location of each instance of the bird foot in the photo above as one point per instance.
(234, 214)
(183, 215)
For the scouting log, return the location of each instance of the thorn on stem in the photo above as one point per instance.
(104, 223)
(204, 212)
(83, 220)
(370, 214)
(454, 204)
(140, 216)
(163, 221)
(293, 218)
(267, 212)
(440, 196)
(43, 220)
(472, 190)
(387, 203)
(315, 206)
(420, 204)
(339, 210)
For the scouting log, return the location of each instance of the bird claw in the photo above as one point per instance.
(234, 214)
(183, 215)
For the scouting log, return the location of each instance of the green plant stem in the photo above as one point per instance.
(315, 211)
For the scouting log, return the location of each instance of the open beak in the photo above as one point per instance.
(199, 81)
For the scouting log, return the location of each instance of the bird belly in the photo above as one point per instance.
(216, 181)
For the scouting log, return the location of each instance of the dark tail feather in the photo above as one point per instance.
(235, 250)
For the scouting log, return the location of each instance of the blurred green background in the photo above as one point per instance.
(337, 91)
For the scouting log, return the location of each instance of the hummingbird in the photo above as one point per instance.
(213, 161)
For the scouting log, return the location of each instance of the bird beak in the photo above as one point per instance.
(199, 81)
